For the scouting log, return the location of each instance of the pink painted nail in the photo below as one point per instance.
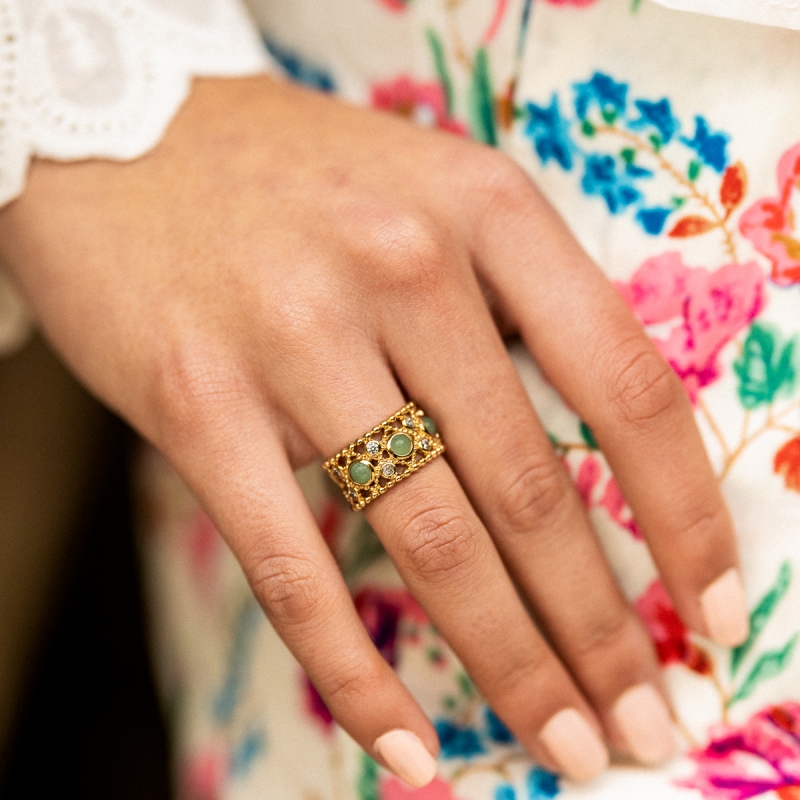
(725, 609)
(644, 721)
(407, 757)
(574, 745)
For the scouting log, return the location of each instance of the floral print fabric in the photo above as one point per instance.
(670, 143)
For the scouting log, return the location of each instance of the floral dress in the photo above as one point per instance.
(670, 143)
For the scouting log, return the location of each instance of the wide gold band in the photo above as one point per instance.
(391, 451)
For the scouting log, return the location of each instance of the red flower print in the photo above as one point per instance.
(670, 635)
(787, 463)
(202, 777)
(425, 103)
(589, 473)
(770, 223)
(707, 310)
(398, 6)
(394, 789)
(614, 502)
(744, 761)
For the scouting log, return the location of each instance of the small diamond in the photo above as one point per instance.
(425, 444)
(373, 447)
(337, 473)
(387, 469)
(408, 422)
(352, 495)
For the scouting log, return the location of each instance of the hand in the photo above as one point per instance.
(255, 292)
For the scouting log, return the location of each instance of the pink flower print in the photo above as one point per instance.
(578, 3)
(670, 635)
(614, 502)
(398, 6)
(203, 776)
(394, 789)
(315, 706)
(589, 473)
(706, 309)
(204, 545)
(425, 103)
(770, 223)
(744, 761)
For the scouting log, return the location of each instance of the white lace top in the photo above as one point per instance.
(82, 78)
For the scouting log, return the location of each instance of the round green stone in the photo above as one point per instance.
(361, 472)
(401, 445)
(430, 425)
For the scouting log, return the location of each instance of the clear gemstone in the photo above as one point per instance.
(425, 444)
(387, 469)
(408, 422)
(373, 447)
(337, 473)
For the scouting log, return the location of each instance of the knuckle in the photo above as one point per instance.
(191, 381)
(410, 257)
(617, 632)
(643, 387)
(514, 674)
(502, 182)
(289, 588)
(536, 495)
(437, 542)
(348, 685)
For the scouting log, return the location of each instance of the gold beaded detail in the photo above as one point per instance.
(391, 451)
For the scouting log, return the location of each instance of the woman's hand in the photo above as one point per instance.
(275, 279)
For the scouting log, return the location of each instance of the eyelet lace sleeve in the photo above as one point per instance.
(85, 78)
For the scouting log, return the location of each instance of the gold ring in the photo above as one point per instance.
(391, 451)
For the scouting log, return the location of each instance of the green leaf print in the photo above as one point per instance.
(481, 101)
(768, 666)
(693, 173)
(367, 786)
(761, 614)
(440, 64)
(588, 436)
(766, 367)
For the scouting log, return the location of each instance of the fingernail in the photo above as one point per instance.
(725, 609)
(407, 757)
(644, 721)
(574, 745)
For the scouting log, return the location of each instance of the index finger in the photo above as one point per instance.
(611, 373)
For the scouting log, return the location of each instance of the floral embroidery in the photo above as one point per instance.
(770, 223)
(640, 141)
(787, 463)
(707, 308)
(744, 761)
(424, 103)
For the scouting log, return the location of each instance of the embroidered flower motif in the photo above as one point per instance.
(656, 115)
(787, 463)
(578, 3)
(549, 132)
(602, 178)
(398, 6)
(744, 761)
(670, 635)
(615, 504)
(602, 91)
(710, 147)
(770, 223)
(424, 103)
(708, 309)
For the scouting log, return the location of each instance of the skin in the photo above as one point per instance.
(253, 294)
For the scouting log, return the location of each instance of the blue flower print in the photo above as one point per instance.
(505, 791)
(542, 784)
(495, 728)
(458, 741)
(653, 219)
(601, 90)
(298, 67)
(549, 132)
(657, 115)
(601, 178)
(710, 147)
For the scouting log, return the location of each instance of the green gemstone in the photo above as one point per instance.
(401, 445)
(430, 425)
(361, 472)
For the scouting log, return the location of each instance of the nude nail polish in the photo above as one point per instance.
(407, 757)
(574, 745)
(644, 721)
(725, 609)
